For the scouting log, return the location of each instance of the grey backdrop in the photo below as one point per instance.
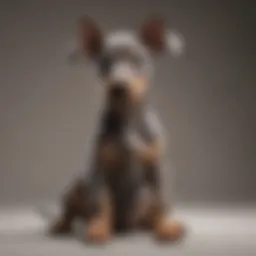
(206, 101)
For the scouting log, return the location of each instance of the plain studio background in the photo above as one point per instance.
(206, 100)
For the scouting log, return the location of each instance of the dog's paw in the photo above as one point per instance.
(60, 227)
(169, 230)
(98, 231)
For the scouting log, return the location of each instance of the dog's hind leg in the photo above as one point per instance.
(73, 206)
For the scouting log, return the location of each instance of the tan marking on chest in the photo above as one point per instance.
(109, 153)
(151, 153)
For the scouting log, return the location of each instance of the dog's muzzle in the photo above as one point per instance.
(118, 91)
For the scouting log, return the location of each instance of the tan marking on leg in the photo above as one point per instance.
(163, 227)
(151, 153)
(152, 214)
(108, 153)
(157, 220)
(168, 229)
(99, 228)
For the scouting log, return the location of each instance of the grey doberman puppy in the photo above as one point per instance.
(121, 189)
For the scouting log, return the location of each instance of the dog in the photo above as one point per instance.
(121, 190)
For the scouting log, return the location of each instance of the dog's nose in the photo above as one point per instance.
(118, 90)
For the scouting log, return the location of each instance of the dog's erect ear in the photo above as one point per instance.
(157, 38)
(90, 37)
(152, 34)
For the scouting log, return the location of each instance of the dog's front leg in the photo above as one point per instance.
(99, 226)
(156, 217)
(149, 148)
(99, 223)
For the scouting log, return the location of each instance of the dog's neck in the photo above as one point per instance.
(118, 121)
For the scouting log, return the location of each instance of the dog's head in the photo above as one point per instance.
(124, 58)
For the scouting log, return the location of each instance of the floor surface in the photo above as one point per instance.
(212, 231)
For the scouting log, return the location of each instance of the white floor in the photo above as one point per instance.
(212, 231)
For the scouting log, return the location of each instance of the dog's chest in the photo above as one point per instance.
(123, 172)
(117, 143)
(121, 132)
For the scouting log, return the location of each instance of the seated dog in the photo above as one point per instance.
(122, 189)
